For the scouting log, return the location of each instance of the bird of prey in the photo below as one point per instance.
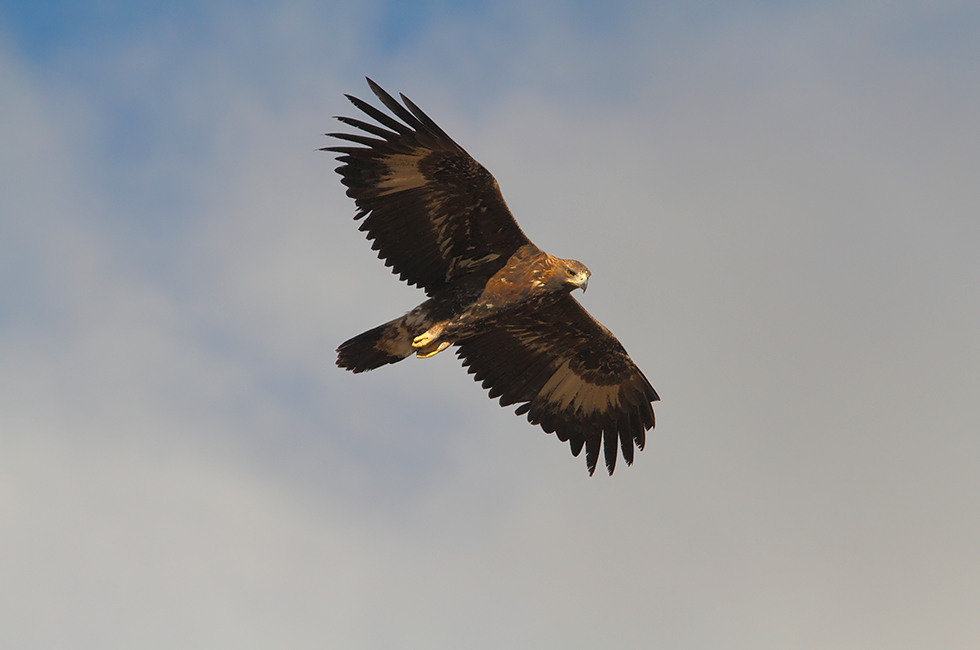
(437, 218)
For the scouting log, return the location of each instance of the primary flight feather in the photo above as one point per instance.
(437, 218)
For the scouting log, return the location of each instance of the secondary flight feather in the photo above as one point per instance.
(437, 218)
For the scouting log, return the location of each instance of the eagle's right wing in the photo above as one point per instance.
(433, 212)
(572, 375)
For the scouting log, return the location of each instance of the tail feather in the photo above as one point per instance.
(368, 351)
(388, 343)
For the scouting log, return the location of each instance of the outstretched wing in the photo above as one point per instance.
(433, 212)
(572, 375)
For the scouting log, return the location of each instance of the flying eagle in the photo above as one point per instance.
(437, 218)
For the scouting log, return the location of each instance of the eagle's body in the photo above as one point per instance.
(438, 219)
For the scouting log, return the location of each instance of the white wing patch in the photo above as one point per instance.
(403, 174)
(570, 392)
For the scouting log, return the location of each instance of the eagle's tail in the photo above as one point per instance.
(372, 349)
(391, 342)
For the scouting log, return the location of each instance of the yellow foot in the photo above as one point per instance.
(428, 337)
(432, 350)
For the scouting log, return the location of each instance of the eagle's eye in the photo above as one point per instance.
(570, 272)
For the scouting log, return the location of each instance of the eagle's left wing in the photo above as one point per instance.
(572, 375)
(434, 213)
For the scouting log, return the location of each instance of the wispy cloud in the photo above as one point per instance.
(778, 206)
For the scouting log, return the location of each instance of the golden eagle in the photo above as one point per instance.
(437, 218)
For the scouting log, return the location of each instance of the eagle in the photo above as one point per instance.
(437, 217)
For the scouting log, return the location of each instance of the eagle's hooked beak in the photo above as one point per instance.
(583, 281)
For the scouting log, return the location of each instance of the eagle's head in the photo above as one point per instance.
(574, 275)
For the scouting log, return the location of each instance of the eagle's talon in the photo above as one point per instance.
(425, 353)
(427, 337)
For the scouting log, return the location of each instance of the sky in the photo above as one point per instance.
(778, 202)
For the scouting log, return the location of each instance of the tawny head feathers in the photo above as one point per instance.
(574, 274)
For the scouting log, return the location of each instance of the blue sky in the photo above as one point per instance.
(778, 204)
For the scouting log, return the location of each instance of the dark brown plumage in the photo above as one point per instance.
(438, 219)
